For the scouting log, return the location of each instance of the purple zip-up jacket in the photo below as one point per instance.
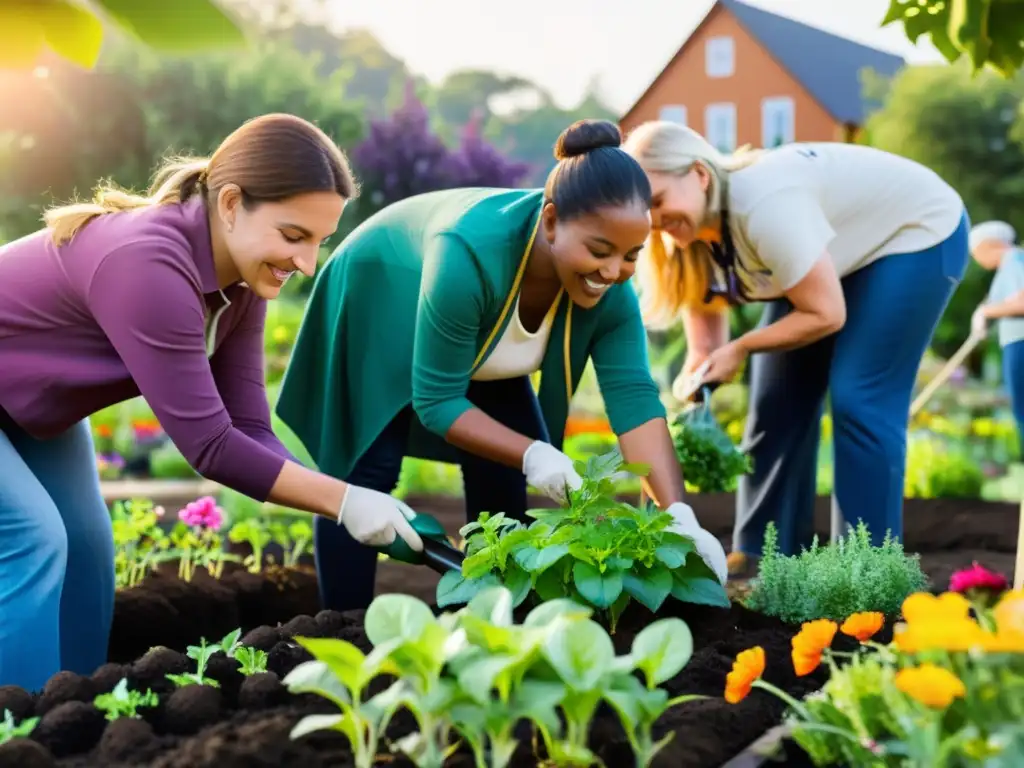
(121, 310)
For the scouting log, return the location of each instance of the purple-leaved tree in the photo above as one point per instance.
(401, 157)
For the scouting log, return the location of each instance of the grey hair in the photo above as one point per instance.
(998, 231)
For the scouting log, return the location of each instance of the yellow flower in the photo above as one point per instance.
(940, 634)
(924, 606)
(747, 668)
(1009, 612)
(931, 685)
(864, 625)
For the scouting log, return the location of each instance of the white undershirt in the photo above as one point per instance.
(518, 352)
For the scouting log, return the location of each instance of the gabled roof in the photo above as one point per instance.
(827, 65)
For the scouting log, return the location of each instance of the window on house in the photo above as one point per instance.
(673, 113)
(720, 126)
(719, 57)
(778, 121)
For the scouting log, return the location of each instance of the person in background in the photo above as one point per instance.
(165, 296)
(425, 326)
(993, 245)
(856, 253)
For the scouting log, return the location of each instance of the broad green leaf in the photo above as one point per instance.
(487, 635)
(493, 605)
(674, 550)
(317, 677)
(648, 586)
(396, 616)
(623, 693)
(179, 26)
(599, 589)
(478, 564)
(536, 560)
(550, 585)
(455, 589)
(478, 679)
(518, 583)
(562, 608)
(700, 590)
(345, 661)
(662, 649)
(312, 723)
(581, 653)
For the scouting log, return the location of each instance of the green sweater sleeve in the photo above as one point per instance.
(619, 354)
(449, 318)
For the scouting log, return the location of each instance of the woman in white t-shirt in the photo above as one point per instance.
(856, 252)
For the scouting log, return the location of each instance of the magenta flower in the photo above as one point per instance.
(202, 513)
(977, 578)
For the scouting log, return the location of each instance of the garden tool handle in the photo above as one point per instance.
(947, 370)
(437, 553)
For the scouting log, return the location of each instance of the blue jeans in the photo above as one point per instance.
(346, 569)
(868, 369)
(1013, 379)
(56, 558)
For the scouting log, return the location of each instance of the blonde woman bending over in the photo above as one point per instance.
(856, 252)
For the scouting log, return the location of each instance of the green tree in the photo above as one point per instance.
(967, 128)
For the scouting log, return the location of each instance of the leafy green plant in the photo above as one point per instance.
(9, 729)
(295, 539)
(598, 551)
(138, 538)
(124, 702)
(253, 533)
(251, 661)
(476, 674)
(711, 461)
(834, 581)
(201, 655)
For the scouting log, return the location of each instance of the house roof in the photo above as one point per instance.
(827, 65)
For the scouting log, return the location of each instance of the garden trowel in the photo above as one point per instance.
(437, 553)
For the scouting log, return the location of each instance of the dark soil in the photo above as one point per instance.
(246, 722)
(166, 611)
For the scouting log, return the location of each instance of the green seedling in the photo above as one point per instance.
(201, 655)
(122, 702)
(253, 533)
(11, 730)
(295, 540)
(252, 661)
(229, 643)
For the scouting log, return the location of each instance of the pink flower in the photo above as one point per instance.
(202, 513)
(977, 577)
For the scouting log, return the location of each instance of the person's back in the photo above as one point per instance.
(878, 203)
(1009, 280)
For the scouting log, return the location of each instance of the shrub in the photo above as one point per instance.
(711, 461)
(835, 581)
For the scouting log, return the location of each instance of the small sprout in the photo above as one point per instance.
(122, 702)
(11, 730)
(251, 661)
(201, 654)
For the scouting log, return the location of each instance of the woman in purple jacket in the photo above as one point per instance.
(163, 296)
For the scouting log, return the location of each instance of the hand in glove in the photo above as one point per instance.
(687, 383)
(708, 546)
(979, 323)
(550, 471)
(374, 518)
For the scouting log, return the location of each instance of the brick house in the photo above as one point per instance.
(747, 76)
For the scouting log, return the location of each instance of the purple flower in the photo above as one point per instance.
(202, 513)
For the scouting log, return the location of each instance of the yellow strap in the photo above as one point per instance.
(568, 366)
(511, 296)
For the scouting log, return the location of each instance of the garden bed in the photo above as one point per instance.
(246, 722)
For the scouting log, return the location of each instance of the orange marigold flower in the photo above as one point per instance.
(864, 625)
(805, 663)
(814, 636)
(747, 668)
(931, 685)
(924, 606)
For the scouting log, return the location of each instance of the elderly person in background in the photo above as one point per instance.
(993, 245)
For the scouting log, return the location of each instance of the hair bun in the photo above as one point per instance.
(585, 136)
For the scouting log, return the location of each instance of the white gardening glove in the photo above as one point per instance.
(550, 471)
(686, 384)
(374, 518)
(708, 546)
(979, 323)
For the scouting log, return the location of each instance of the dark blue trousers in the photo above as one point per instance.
(868, 370)
(1013, 379)
(346, 569)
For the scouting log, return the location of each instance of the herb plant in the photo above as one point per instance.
(834, 581)
(9, 729)
(251, 661)
(122, 702)
(597, 550)
(201, 655)
(475, 674)
(711, 461)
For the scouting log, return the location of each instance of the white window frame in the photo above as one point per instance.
(714, 115)
(673, 113)
(719, 57)
(771, 108)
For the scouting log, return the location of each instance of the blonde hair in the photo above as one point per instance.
(174, 182)
(672, 278)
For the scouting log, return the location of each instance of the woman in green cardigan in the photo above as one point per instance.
(424, 327)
